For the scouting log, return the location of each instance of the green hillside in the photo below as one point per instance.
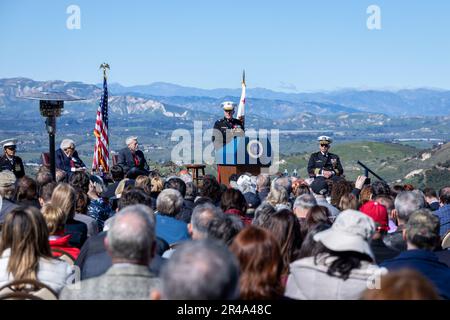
(395, 163)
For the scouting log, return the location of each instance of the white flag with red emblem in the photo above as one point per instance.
(241, 107)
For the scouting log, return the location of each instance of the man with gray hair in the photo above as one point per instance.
(200, 270)
(421, 234)
(302, 205)
(284, 182)
(168, 227)
(132, 160)
(405, 204)
(131, 243)
(67, 158)
(202, 215)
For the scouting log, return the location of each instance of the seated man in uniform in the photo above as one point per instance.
(228, 126)
(132, 160)
(9, 161)
(324, 163)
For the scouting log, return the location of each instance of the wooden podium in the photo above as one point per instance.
(242, 154)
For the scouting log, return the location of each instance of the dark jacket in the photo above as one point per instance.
(16, 166)
(6, 207)
(223, 125)
(126, 160)
(444, 256)
(96, 244)
(185, 212)
(65, 163)
(381, 251)
(94, 260)
(330, 162)
(395, 240)
(263, 194)
(443, 213)
(427, 263)
(78, 232)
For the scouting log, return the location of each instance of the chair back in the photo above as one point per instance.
(115, 159)
(27, 290)
(45, 158)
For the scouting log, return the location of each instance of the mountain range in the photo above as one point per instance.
(421, 101)
(160, 103)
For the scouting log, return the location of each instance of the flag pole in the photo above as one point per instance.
(99, 163)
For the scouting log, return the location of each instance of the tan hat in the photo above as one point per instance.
(7, 179)
(351, 231)
(228, 105)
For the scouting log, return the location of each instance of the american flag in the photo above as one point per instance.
(101, 150)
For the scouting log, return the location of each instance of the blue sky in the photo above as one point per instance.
(297, 45)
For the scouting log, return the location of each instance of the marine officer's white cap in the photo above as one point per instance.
(228, 105)
(8, 142)
(325, 139)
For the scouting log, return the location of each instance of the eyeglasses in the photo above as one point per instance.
(11, 148)
(69, 148)
(229, 111)
(325, 145)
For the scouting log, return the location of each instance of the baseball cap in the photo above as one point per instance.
(378, 213)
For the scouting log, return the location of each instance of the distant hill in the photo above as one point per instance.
(396, 163)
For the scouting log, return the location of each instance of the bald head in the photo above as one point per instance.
(131, 236)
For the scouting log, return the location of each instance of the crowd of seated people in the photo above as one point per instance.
(262, 237)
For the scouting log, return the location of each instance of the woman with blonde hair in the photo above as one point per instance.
(157, 184)
(145, 183)
(55, 219)
(278, 197)
(348, 201)
(25, 251)
(64, 196)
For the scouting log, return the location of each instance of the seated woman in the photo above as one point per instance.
(261, 264)
(27, 192)
(25, 252)
(55, 219)
(233, 202)
(344, 265)
(67, 158)
(64, 197)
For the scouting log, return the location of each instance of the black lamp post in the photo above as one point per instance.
(51, 105)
